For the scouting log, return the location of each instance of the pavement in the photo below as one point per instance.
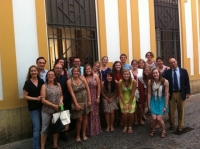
(139, 139)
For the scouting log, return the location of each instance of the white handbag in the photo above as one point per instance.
(64, 117)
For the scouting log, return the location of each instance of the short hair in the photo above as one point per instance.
(123, 55)
(76, 58)
(149, 53)
(40, 58)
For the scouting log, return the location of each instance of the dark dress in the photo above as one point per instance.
(104, 72)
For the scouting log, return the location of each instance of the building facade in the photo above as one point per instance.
(89, 29)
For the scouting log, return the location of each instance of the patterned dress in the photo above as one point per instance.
(126, 91)
(81, 97)
(108, 107)
(94, 126)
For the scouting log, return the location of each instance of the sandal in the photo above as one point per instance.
(130, 130)
(124, 130)
(152, 133)
(144, 118)
(142, 123)
(85, 139)
(112, 129)
(78, 140)
(107, 129)
(163, 134)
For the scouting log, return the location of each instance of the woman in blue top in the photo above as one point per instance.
(158, 96)
(104, 68)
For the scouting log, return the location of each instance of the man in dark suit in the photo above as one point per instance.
(179, 90)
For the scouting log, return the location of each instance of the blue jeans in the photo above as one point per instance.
(36, 118)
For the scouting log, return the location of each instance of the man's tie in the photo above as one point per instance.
(175, 81)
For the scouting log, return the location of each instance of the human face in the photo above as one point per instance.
(159, 62)
(123, 59)
(109, 78)
(76, 72)
(173, 63)
(77, 62)
(51, 76)
(147, 71)
(126, 75)
(149, 56)
(41, 64)
(61, 62)
(88, 70)
(96, 67)
(134, 65)
(118, 66)
(105, 61)
(156, 74)
(58, 69)
(141, 64)
(33, 72)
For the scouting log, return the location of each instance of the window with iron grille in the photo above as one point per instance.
(72, 30)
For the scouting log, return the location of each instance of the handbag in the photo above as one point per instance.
(60, 122)
(82, 105)
(137, 94)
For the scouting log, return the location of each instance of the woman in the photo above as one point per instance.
(31, 93)
(104, 68)
(109, 93)
(136, 74)
(81, 99)
(96, 69)
(127, 87)
(94, 126)
(62, 62)
(141, 63)
(150, 62)
(158, 95)
(146, 77)
(117, 71)
(162, 68)
(51, 98)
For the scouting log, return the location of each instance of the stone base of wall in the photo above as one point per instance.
(15, 124)
(195, 86)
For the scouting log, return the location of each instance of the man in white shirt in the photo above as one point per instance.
(76, 63)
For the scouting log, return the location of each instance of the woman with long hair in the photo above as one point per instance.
(146, 77)
(109, 93)
(104, 67)
(96, 69)
(117, 71)
(141, 63)
(94, 126)
(52, 98)
(31, 93)
(127, 87)
(158, 96)
(81, 106)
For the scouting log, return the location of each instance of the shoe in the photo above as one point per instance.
(85, 138)
(163, 135)
(78, 140)
(112, 129)
(152, 133)
(124, 130)
(107, 129)
(179, 129)
(171, 128)
(130, 130)
(142, 123)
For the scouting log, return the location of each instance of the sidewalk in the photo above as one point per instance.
(139, 139)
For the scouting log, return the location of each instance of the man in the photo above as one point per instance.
(76, 63)
(41, 64)
(62, 79)
(123, 59)
(179, 90)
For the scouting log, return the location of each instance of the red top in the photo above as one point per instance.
(118, 76)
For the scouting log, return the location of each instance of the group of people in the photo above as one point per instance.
(120, 92)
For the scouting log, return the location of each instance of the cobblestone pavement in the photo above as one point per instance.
(140, 138)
